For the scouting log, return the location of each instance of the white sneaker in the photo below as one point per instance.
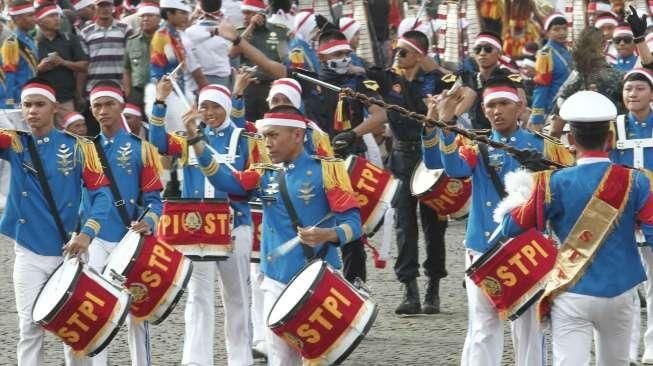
(647, 358)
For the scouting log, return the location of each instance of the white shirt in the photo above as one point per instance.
(212, 52)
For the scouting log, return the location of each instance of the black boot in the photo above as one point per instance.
(432, 297)
(410, 304)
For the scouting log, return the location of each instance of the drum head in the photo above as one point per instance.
(123, 254)
(296, 290)
(54, 293)
(423, 179)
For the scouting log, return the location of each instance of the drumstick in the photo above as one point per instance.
(181, 95)
(145, 211)
(286, 247)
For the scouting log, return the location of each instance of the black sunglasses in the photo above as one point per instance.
(483, 47)
(626, 40)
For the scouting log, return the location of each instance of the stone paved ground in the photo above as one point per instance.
(422, 340)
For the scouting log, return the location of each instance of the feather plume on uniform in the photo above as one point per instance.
(593, 71)
(519, 186)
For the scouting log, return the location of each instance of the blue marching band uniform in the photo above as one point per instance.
(552, 67)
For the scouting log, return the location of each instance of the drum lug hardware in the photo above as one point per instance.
(118, 277)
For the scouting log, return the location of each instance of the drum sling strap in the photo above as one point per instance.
(496, 181)
(595, 223)
(106, 168)
(309, 253)
(47, 192)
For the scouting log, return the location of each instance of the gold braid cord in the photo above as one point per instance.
(435, 123)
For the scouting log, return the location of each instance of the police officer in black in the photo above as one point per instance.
(408, 84)
(346, 121)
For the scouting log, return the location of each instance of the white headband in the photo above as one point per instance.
(217, 94)
(288, 87)
(407, 42)
(148, 9)
(622, 31)
(70, 118)
(493, 93)
(486, 39)
(106, 92)
(36, 89)
(132, 110)
(600, 22)
(81, 4)
(349, 27)
(281, 119)
(21, 9)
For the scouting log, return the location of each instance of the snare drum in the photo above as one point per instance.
(257, 222)
(375, 189)
(321, 315)
(513, 273)
(447, 196)
(199, 228)
(155, 273)
(81, 307)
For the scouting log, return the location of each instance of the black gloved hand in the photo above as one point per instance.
(343, 140)
(637, 24)
(324, 25)
(532, 160)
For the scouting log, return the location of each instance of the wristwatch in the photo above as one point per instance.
(196, 139)
(236, 41)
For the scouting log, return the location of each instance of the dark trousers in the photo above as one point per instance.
(406, 229)
(255, 100)
(353, 261)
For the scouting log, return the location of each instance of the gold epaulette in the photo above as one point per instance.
(16, 144)
(555, 150)
(334, 173)
(87, 148)
(256, 151)
(265, 166)
(326, 158)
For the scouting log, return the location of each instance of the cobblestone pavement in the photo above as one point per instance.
(420, 340)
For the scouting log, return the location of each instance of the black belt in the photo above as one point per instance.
(406, 146)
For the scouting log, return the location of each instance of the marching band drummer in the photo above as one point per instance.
(316, 186)
(635, 148)
(593, 208)
(284, 92)
(71, 166)
(199, 316)
(488, 167)
(133, 172)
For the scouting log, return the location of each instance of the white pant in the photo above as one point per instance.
(280, 353)
(635, 331)
(259, 326)
(138, 333)
(576, 319)
(647, 260)
(484, 340)
(199, 315)
(31, 272)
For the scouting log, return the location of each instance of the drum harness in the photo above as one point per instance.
(118, 202)
(309, 253)
(47, 192)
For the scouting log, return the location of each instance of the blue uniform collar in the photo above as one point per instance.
(105, 140)
(301, 160)
(556, 44)
(634, 122)
(226, 126)
(627, 60)
(515, 136)
(47, 138)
